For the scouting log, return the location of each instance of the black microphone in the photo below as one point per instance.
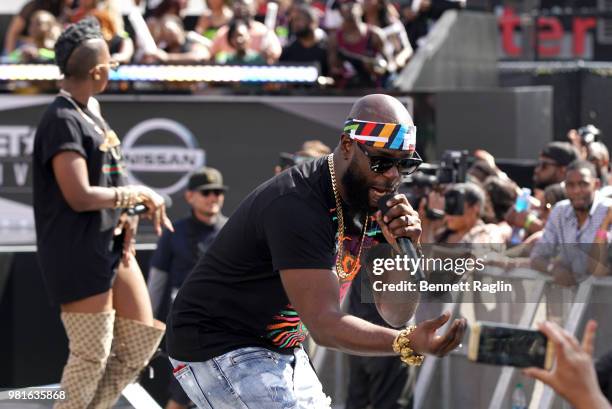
(404, 243)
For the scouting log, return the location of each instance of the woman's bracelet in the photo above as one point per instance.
(117, 197)
(125, 197)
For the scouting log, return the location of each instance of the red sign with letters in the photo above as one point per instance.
(550, 32)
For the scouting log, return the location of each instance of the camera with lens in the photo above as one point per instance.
(417, 187)
(589, 134)
(453, 167)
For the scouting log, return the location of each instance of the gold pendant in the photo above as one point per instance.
(116, 153)
(111, 140)
(350, 265)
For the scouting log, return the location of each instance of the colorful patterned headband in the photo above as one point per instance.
(382, 135)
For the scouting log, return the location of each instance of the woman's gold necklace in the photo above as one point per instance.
(111, 140)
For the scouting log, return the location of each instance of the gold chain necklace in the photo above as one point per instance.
(111, 140)
(355, 267)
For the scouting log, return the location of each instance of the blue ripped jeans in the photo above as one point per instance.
(252, 378)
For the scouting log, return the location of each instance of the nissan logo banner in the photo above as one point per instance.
(165, 138)
(146, 160)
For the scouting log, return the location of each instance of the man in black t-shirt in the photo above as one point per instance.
(178, 252)
(285, 258)
(308, 46)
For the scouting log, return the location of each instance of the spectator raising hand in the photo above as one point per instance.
(573, 374)
(261, 39)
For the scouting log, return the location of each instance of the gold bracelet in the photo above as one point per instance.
(124, 197)
(117, 197)
(401, 346)
(131, 200)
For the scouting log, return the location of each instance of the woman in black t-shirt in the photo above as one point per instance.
(85, 237)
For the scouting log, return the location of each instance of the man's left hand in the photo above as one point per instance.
(401, 220)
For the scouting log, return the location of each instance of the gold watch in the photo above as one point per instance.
(401, 346)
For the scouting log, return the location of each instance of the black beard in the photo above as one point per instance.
(584, 208)
(542, 184)
(356, 189)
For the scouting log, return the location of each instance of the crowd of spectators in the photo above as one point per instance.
(559, 229)
(359, 43)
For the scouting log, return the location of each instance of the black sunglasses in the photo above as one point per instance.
(381, 164)
(216, 192)
(545, 164)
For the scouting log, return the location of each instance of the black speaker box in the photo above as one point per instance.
(507, 122)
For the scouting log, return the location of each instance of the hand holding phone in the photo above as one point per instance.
(573, 375)
(509, 345)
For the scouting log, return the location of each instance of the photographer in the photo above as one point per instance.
(463, 207)
(582, 137)
(423, 193)
(310, 150)
(464, 233)
(484, 166)
(587, 141)
(480, 171)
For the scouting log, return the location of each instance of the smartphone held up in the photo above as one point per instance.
(509, 345)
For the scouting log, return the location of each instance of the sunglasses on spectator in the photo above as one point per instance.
(381, 164)
(207, 192)
(544, 164)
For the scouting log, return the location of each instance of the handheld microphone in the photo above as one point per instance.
(404, 243)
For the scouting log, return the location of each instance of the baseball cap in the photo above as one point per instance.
(206, 179)
(563, 153)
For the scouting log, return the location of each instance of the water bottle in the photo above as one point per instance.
(519, 399)
(521, 205)
(522, 201)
